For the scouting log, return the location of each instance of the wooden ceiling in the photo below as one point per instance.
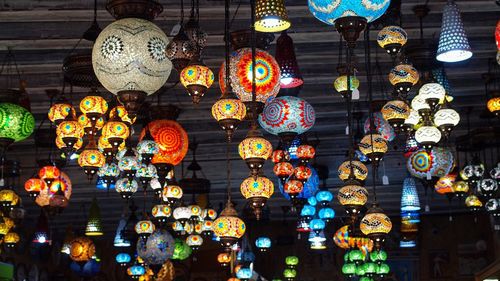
(43, 33)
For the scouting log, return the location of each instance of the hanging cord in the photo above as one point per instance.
(254, 51)
(226, 46)
(339, 63)
(228, 164)
(235, 12)
(182, 12)
(349, 109)
(9, 62)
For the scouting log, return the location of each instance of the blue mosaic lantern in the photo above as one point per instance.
(89, 269)
(409, 196)
(244, 273)
(329, 11)
(308, 211)
(136, 271)
(263, 243)
(312, 201)
(324, 197)
(453, 43)
(327, 214)
(123, 259)
(317, 225)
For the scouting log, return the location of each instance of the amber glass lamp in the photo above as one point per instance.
(403, 77)
(283, 170)
(255, 150)
(34, 186)
(352, 196)
(197, 78)
(257, 191)
(82, 249)
(91, 159)
(70, 131)
(293, 187)
(228, 226)
(60, 111)
(93, 107)
(229, 111)
(494, 105)
(396, 112)
(116, 132)
(376, 225)
(374, 146)
(305, 153)
(359, 169)
(49, 174)
(224, 259)
(392, 38)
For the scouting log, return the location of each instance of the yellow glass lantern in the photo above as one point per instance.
(61, 145)
(82, 249)
(8, 198)
(472, 202)
(106, 148)
(340, 84)
(271, 16)
(460, 188)
(396, 112)
(359, 169)
(48, 174)
(494, 105)
(224, 259)
(228, 226)
(86, 123)
(257, 191)
(197, 78)
(116, 132)
(229, 112)
(93, 107)
(376, 225)
(120, 112)
(91, 159)
(255, 150)
(60, 111)
(374, 146)
(4, 228)
(403, 77)
(445, 184)
(70, 131)
(11, 239)
(352, 196)
(392, 38)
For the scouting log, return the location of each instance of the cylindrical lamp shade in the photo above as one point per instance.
(453, 43)
(267, 75)
(271, 16)
(328, 11)
(286, 59)
(409, 196)
(130, 54)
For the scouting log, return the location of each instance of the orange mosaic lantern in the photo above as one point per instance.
(255, 150)
(70, 131)
(293, 188)
(81, 249)
(302, 173)
(305, 153)
(61, 145)
(172, 141)
(60, 111)
(283, 170)
(34, 186)
(445, 184)
(197, 78)
(93, 107)
(91, 159)
(86, 124)
(224, 259)
(116, 132)
(48, 174)
(119, 112)
(257, 191)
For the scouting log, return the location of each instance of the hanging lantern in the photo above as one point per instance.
(374, 146)
(91, 159)
(396, 112)
(473, 203)
(82, 249)
(48, 174)
(428, 136)
(326, 214)
(488, 188)
(271, 16)
(340, 85)
(302, 173)
(8, 198)
(129, 164)
(89, 127)
(255, 150)
(436, 163)
(446, 119)
(432, 93)
(257, 191)
(460, 188)
(305, 153)
(172, 192)
(116, 132)
(224, 259)
(293, 187)
(60, 111)
(324, 11)
(16, 124)
(195, 33)
(11, 239)
(359, 169)
(94, 223)
(324, 197)
(381, 126)
(161, 213)
(445, 184)
(392, 39)
(93, 107)
(494, 103)
(144, 228)
(126, 188)
(34, 186)
(352, 196)
(376, 225)
(409, 196)
(263, 243)
(119, 57)
(172, 141)
(147, 148)
(287, 117)
(453, 43)
(70, 132)
(283, 170)
(403, 77)
(229, 112)
(157, 249)
(109, 173)
(146, 173)
(285, 57)
(196, 78)
(291, 261)
(181, 50)
(228, 226)
(123, 259)
(62, 146)
(194, 241)
(267, 75)
(120, 113)
(182, 214)
(412, 121)
(136, 271)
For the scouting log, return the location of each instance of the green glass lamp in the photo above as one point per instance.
(16, 123)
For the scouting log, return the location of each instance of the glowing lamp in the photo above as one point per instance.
(257, 191)
(376, 225)
(305, 153)
(291, 261)
(93, 107)
(283, 170)
(352, 195)
(340, 84)
(432, 93)
(16, 123)
(453, 43)
(460, 188)
(286, 59)
(326, 214)
(224, 259)
(91, 159)
(136, 271)
(374, 146)
(11, 239)
(228, 226)
(82, 249)
(396, 112)
(493, 105)
(229, 112)
(263, 243)
(89, 127)
(94, 223)
(488, 188)
(172, 193)
(392, 38)
(445, 184)
(427, 136)
(472, 202)
(244, 273)
(60, 111)
(129, 164)
(109, 172)
(255, 150)
(65, 148)
(409, 196)
(172, 141)
(147, 148)
(411, 121)
(293, 187)
(126, 188)
(48, 174)
(289, 273)
(280, 155)
(161, 212)
(325, 11)
(70, 131)
(271, 16)
(120, 113)
(194, 241)
(446, 119)
(144, 228)
(123, 259)
(349, 269)
(317, 225)
(34, 186)
(197, 78)
(302, 173)
(182, 214)
(403, 77)
(116, 132)
(359, 169)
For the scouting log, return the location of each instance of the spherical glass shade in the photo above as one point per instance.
(267, 75)
(34, 185)
(340, 83)
(209, 214)
(126, 188)
(383, 127)
(328, 11)
(375, 223)
(445, 184)
(260, 187)
(144, 227)
(224, 258)
(396, 112)
(403, 73)
(61, 145)
(263, 243)
(460, 187)
(324, 196)
(308, 211)
(392, 36)
(130, 54)
(171, 192)
(244, 273)
(147, 147)
(283, 170)
(418, 104)
(49, 173)
(135, 271)
(326, 214)
(428, 135)
(373, 144)
(359, 169)
(446, 117)
(197, 75)
(494, 104)
(128, 163)
(81, 249)
(292, 261)
(91, 157)
(488, 187)
(289, 273)
(472, 201)
(161, 210)
(59, 111)
(70, 129)
(146, 171)
(305, 152)
(302, 173)
(287, 115)
(103, 145)
(119, 112)
(93, 105)
(293, 187)
(432, 92)
(352, 195)
(123, 258)
(85, 122)
(109, 170)
(181, 251)
(255, 147)
(224, 109)
(182, 213)
(229, 226)
(437, 163)
(10, 239)
(16, 123)
(413, 118)
(115, 132)
(194, 240)
(492, 206)
(157, 249)
(280, 155)
(172, 141)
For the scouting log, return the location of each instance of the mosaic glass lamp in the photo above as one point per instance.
(181, 50)
(376, 225)
(94, 223)
(409, 196)
(396, 112)
(93, 107)
(228, 226)
(271, 16)
(360, 170)
(428, 136)
(392, 38)
(374, 146)
(70, 132)
(123, 259)
(255, 150)
(16, 123)
(229, 112)
(432, 93)
(196, 78)
(453, 43)
(328, 11)
(82, 249)
(403, 77)
(257, 191)
(91, 159)
(263, 243)
(286, 59)
(60, 111)
(493, 104)
(352, 196)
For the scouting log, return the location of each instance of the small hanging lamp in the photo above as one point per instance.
(271, 16)
(228, 226)
(91, 159)
(286, 59)
(197, 78)
(257, 191)
(453, 43)
(255, 150)
(392, 39)
(376, 225)
(94, 223)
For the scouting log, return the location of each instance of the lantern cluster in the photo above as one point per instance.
(481, 186)
(367, 266)
(9, 201)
